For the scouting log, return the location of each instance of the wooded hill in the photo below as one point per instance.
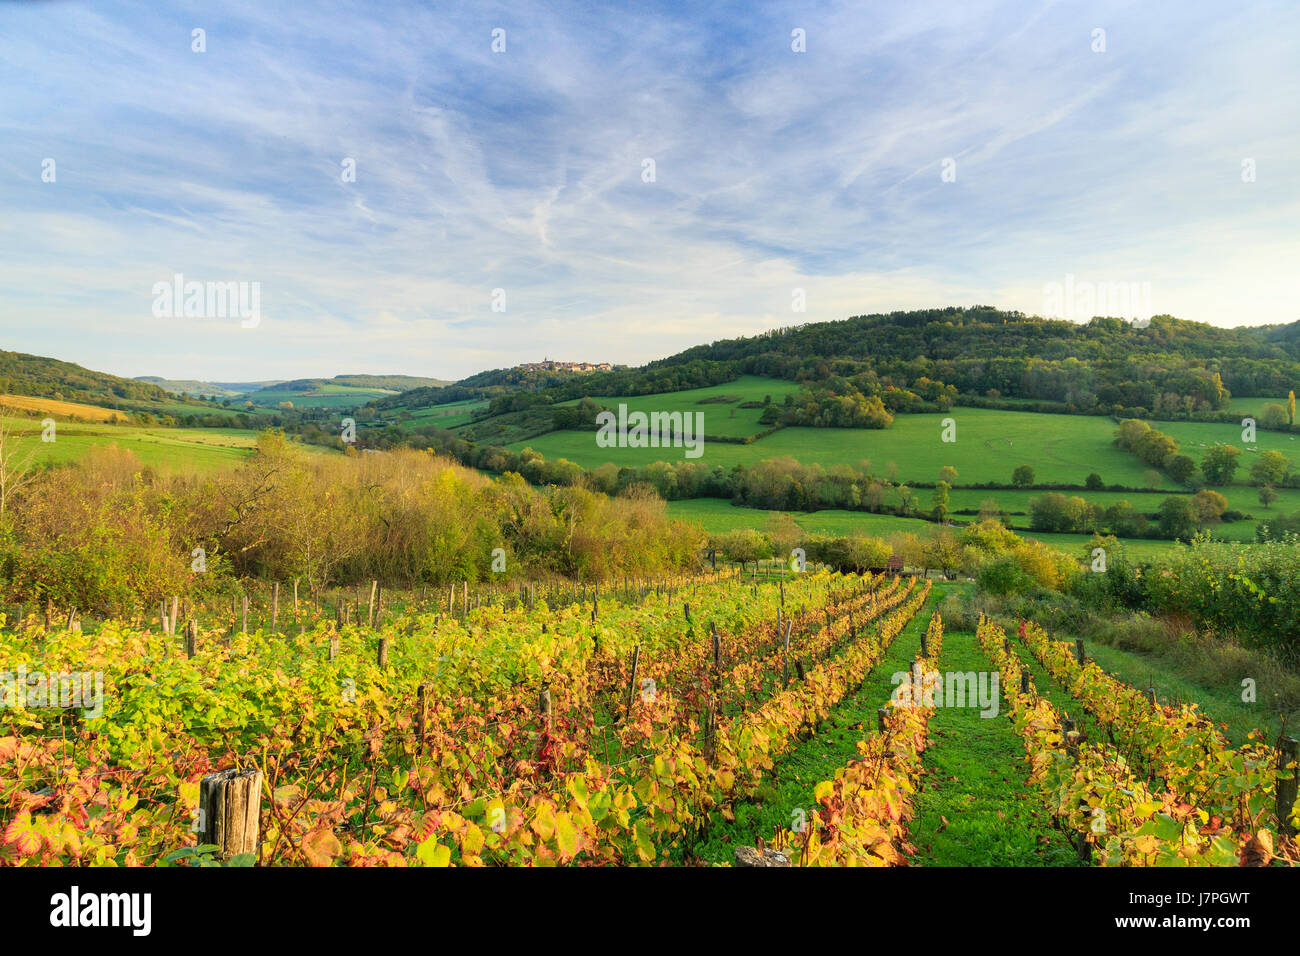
(42, 377)
(914, 359)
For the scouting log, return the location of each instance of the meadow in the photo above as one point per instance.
(171, 450)
(720, 405)
(989, 445)
(717, 516)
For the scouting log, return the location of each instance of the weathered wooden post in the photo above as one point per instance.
(334, 645)
(229, 806)
(175, 615)
(1024, 682)
(370, 611)
(1286, 787)
(275, 607)
(422, 717)
(785, 655)
(192, 638)
(631, 684)
(243, 617)
(382, 657)
(1078, 650)
(798, 666)
(544, 717)
(749, 856)
(711, 730)
(1151, 693)
(881, 714)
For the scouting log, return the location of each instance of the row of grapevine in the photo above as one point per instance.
(411, 765)
(1176, 744)
(1100, 799)
(864, 810)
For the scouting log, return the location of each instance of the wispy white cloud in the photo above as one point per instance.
(523, 171)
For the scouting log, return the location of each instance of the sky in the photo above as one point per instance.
(620, 182)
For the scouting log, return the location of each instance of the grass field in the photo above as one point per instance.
(1252, 404)
(451, 415)
(201, 450)
(989, 446)
(716, 516)
(718, 403)
(326, 396)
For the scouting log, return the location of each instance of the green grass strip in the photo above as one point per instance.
(975, 807)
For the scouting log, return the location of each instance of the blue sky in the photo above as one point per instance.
(523, 171)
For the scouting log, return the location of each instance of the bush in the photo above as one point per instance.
(1002, 576)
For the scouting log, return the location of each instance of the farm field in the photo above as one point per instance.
(718, 403)
(324, 396)
(451, 415)
(716, 516)
(64, 409)
(618, 734)
(201, 450)
(1252, 405)
(990, 445)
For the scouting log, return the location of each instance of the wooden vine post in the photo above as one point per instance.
(422, 716)
(1286, 786)
(275, 607)
(230, 804)
(192, 638)
(1078, 650)
(785, 655)
(631, 684)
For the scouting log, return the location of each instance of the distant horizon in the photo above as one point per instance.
(389, 372)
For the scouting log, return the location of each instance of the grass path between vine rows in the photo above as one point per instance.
(791, 782)
(975, 806)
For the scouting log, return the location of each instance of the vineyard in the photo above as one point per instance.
(666, 723)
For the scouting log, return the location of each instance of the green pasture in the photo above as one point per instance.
(716, 516)
(720, 417)
(200, 450)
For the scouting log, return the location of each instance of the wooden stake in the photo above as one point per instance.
(631, 684)
(422, 723)
(192, 638)
(229, 806)
(1286, 788)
